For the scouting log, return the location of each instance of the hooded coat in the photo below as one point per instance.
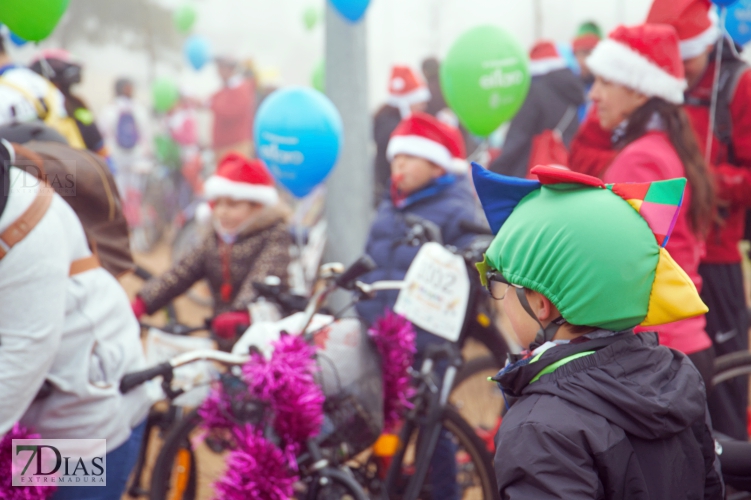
(626, 420)
(550, 96)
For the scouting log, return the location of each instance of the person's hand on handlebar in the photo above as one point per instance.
(227, 325)
(139, 307)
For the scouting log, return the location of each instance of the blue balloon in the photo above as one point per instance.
(567, 53)
(298, 133)
(17, 40)
(352, 10)
(724, 3)
(738, 22)
(198, 51)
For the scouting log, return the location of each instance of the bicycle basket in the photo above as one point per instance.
(351, 380)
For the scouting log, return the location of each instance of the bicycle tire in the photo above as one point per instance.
(474, 366)
(731, 365)
(146, 275)
(338, 485)
(161, 478)
(460, 429)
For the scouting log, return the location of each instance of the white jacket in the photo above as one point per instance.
(77, 332)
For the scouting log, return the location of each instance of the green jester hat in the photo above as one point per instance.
(596, 251)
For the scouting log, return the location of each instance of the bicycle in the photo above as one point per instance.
(177, 460)
(474, 463)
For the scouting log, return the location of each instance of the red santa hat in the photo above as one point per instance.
(693, 21)
(644, 58)
(241, 179)
(406, 89)
(544, 58)
(426, 137)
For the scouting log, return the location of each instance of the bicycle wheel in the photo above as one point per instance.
(187, 466)
(479, 400)
(332, 484)
(734, 372)
(475, 477)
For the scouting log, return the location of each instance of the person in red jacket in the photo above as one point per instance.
(730, 163)
(638, 90)
(233, 108)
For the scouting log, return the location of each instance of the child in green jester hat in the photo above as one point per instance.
(598, 411)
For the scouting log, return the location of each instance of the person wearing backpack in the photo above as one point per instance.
(67, 333)
(551, 105)
(730, 164)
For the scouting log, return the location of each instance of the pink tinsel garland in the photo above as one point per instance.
(7, 491)
(394, 337)
(257, 469)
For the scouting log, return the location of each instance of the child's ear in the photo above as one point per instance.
(546, 311)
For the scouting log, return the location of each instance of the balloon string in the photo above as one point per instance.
(715, 85)
(479, 151)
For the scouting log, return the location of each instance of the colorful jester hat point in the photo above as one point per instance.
(595, 250)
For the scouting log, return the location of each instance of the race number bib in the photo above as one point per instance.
(436, 291)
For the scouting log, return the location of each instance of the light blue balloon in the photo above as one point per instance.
(197, 51)
(352, 10)
(17, 40)
(738, 22)
(298, 133)
(567, 53)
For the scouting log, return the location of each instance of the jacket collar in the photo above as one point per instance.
(521, 370)
(435, 187)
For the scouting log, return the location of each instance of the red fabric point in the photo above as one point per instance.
(556, 175)
(660, 238)
(632, 190)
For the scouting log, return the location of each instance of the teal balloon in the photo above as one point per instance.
(17, 40)
(184, 18)
(738, 22)
(165, 94)
(485, 78)
(197, 51)
(298, 134)
(318, 78)
(351, 10)
(32, 20)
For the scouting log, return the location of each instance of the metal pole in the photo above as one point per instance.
(349, 189)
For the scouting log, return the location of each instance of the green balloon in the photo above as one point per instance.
(310, 18)
(485, 78)
(32, 20)
(318, 78)
(165, 94)
(184, 18)
(167, 151)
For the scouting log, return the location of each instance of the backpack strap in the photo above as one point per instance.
(27, 221)
(566, 120)
(730, 74)
(33, 100)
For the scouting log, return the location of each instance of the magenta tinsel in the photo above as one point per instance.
(7, 491)
(288, 384)
(256, 469)
(394, 337)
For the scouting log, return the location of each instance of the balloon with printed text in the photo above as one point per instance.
(298, 133)
(485, 78)
(738, 22)
(197, 51)
(32, 20)
(351, 10)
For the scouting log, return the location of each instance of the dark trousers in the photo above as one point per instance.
(727, 325)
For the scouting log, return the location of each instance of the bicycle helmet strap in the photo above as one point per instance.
(545, 333)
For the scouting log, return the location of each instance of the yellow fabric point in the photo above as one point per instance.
(674, 296)
(635, 203)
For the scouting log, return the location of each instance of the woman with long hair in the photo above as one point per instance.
(638, 90)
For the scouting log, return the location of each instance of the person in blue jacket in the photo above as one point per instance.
(428, 180)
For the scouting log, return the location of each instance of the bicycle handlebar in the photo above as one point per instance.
(363, 265)
(134, 379)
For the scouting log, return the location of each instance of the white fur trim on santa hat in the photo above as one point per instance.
(696, 46)
(544, 66)
(618, 63)
(217, 187)
(415, 145)
(420, 94)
